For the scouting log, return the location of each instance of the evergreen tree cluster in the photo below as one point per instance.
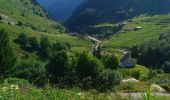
(7, 56)
(154, 54)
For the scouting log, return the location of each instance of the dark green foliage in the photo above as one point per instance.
(58, 65)
(107, 79)
(30, 69)
(16, 81)
(152, 73)
(136, 74)
(111, 61)
(7, 57)
(34, 43)
(20, 23)
(58, 46)
(22, 39)
(1, 18)
(155, 53)
(88, 66)
(45, 47)
(167, 67)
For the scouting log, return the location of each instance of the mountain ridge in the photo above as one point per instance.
(60, 9)
(95, 12)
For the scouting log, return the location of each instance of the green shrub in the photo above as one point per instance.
(16, 81)
(136, 74)
(7, 56)
(34, 43)
(111, 62)
(107, 79)
(58, 65)
(152, 73)
(87, 65)
(22, 39)
(87, 69)
(20, 23)
(139, 72)
(167, 67)
(58, 46)
(45, 47)
(31, 70)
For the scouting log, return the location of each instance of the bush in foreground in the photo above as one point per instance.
(87, 65)
(58, 66)
(30, 69)
(108, 79)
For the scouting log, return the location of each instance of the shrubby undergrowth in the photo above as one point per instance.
(57, 65)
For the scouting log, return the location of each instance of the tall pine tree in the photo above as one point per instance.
(7, 58)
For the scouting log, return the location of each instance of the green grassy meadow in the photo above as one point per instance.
(152, 26)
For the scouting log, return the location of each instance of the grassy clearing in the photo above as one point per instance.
(131, 72)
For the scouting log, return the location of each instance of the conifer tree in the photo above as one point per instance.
(7, 58)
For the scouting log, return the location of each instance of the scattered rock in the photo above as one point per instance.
(130, 80)
(155, 87)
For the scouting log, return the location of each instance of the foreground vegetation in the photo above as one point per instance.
(13, 88)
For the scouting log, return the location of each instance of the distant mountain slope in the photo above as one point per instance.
(95, 12)
(60, 9)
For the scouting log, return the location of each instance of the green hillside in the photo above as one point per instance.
(34, 21)
(151, 27)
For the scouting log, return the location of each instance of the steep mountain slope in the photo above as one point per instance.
(60, 9)
(26, 16)
(95, 12)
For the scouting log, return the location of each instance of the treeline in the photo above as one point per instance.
(57, 64)
(154, 54)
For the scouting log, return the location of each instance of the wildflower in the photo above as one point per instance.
(5, 89)
(81, 95)
(15, 87)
